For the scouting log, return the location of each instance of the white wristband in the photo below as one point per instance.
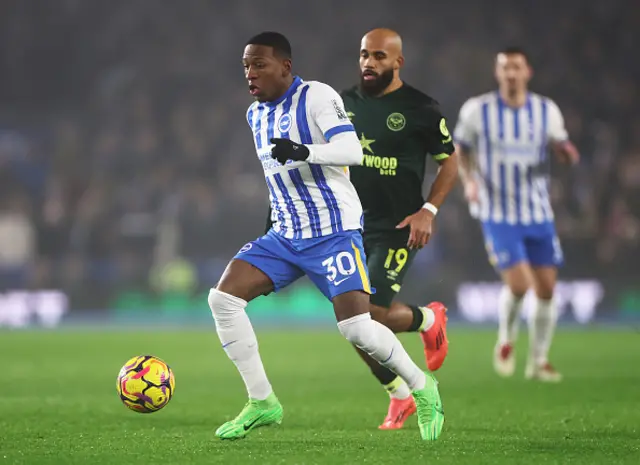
(431, 207)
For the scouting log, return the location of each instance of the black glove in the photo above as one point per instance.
(288, 150)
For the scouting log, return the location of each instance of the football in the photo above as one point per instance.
(145, 384)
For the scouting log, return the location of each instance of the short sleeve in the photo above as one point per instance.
(467, 127)
(556, 130)
(327, 110)
(439, 140)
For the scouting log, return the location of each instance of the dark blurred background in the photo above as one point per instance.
(128, 176)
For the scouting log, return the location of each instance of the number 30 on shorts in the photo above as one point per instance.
(343, 263)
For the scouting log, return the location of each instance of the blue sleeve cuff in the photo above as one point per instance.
(337, 130)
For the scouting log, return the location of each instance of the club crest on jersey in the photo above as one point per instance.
(246, 247)
(284, 123)
(396, 121)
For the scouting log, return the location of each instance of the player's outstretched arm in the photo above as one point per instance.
(326, 112)
(343, 149)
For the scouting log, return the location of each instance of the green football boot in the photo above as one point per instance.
(255, 414)
(430, 410)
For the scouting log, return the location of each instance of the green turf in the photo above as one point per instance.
(58, 403)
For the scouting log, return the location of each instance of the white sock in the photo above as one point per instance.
(428, 319)
(379, 341)
(509, 306)
(239, 342)
(541, 326)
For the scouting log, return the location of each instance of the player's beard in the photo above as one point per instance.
(378, 85)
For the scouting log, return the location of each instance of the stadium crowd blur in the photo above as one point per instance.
(124, 149)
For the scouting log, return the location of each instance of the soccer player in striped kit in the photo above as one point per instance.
(504, 138)
(304, 141)
(399, 126)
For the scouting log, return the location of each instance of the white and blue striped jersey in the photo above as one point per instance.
(511, 149)
(307, 200)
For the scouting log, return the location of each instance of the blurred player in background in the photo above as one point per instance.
(398, 127)
(304, 140)
(503, 139)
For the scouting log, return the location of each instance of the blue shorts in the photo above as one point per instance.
(537, 244)
(335, 263)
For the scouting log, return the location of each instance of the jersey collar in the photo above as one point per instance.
(297, 80)
(390, 94)
(503, 104)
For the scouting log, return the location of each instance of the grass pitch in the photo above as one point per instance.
(58, 402)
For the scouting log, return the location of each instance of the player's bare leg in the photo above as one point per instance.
(517, 280)
(241, 283)
(378, 341)
(542, 323)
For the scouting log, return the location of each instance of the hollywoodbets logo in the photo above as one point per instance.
(386, 165)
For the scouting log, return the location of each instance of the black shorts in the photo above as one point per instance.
(388, 260)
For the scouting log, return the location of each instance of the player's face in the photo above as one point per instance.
(512, 72)
(376, 70)
(266, 73)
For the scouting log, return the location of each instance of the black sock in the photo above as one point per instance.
(384, 375)
(418, 318)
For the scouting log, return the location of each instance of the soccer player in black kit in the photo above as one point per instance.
(398, 127)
